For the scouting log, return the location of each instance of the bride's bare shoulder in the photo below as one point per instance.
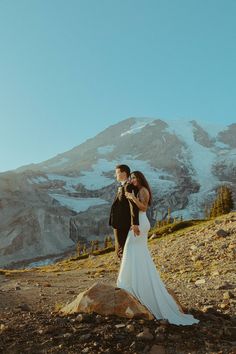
(144, 190)
(143, 193)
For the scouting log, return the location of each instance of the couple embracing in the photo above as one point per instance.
(138, 274)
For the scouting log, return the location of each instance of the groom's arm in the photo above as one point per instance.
(134, 210)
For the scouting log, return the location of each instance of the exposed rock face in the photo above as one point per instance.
(228, 136)
(83, 228)
(201, 136)
(31, 225)
(46, 208)
(105, 299)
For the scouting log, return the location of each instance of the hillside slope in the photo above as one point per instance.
(198, 263)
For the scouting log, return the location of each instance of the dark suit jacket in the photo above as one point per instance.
(124, 212)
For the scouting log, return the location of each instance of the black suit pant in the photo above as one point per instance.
(120, 239)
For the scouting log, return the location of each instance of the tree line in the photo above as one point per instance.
(222, 204)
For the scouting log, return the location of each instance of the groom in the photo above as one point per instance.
(124, 213)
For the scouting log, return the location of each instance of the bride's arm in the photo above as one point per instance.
(142, 201)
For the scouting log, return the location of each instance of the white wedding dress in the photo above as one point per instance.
(138, 275)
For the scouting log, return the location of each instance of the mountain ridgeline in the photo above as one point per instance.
(47, 208)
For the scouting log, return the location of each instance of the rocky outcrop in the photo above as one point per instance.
(105, 299)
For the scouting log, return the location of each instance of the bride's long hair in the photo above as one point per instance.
(143, 182)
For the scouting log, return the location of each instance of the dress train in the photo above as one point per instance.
(138, 275)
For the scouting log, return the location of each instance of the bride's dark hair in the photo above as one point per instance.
(143, 182)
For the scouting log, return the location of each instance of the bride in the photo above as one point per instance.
(138, 274)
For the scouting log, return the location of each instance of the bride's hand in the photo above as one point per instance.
(136, 230)
(129, 195)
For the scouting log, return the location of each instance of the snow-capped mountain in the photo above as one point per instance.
(47, 207)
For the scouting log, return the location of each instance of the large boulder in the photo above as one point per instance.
(106, 299)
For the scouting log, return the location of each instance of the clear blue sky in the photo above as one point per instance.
(69, 69)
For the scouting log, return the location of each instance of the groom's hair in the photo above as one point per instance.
(124, 168)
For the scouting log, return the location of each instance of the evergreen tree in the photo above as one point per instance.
(168, 216)
(223, 203)
(92, 245)
(96, 245)
(213, 212)
(227, 199)
(106, 242)
(78, 248)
